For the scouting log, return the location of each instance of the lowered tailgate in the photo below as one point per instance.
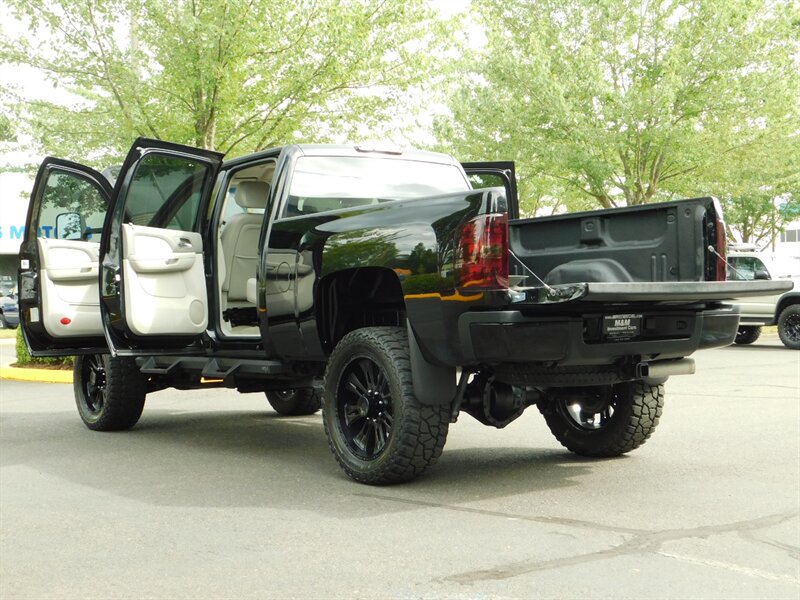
(660, 292)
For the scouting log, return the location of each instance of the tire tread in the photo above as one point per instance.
(306, 401)
(640, 421)
(747, 334)
(421, 435)
(125, 396)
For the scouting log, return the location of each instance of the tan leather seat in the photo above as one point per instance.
(239, 240)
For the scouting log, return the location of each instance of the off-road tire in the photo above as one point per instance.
(637, 407)
(789, 326)
(417, 432)
(109, 392)
(295, 403)
(747, 334)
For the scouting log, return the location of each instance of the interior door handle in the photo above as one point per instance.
(184, 243)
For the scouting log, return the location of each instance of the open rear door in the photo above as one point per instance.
(59, 298)
(154, 297)
(495, 174)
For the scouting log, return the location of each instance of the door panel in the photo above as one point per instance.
(153, 281)
(69, 288)
(164, 281)
(59, 260)
(279, 283)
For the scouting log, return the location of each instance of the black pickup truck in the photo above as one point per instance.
(394, 290)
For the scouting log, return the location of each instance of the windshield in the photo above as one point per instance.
(322, 183)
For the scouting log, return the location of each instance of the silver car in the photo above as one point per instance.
(782, 310)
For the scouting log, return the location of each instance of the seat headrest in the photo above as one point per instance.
(252, 194)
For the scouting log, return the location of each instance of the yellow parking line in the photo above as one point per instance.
(39, 375)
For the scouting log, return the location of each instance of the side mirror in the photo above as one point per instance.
(762, 275)
(70, 226)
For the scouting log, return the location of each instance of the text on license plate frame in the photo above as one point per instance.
(622, 327)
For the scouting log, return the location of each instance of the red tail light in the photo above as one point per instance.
(720, 243)
(482, 253)
(722, 249)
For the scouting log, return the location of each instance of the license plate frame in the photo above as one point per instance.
(622, 327)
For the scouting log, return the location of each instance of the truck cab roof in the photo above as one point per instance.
(366, 149)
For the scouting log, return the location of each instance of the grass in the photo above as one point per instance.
(6, 334)
(24, 359)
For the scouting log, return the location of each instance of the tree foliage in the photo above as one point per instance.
(759, 189)
(232, 75)
(609, 102)
(7, 133)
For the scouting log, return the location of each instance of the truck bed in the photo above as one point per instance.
(658, 242)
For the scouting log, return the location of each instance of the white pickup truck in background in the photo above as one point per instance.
(783, 310)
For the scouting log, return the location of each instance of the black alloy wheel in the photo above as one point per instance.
(364, 408)
(789, 326)
(591, 412)
(93, 381)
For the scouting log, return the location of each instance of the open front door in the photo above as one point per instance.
(495, 174)
(153, 285)
(59, 297)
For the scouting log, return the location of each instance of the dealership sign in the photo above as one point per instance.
(14, 197)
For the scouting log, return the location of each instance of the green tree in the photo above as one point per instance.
(610, 102)
(232, 75)
(760, 190)
(759, 218)
(357, 249)
(7, 133)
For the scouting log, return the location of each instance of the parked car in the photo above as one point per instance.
(380, 285)
(782, 309)
(9, 312)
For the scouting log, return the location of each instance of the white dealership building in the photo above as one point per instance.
(15, 189)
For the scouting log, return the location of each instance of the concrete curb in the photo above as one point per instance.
(38, 375)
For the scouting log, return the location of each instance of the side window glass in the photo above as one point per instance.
(248, 191)
(745, 268)
(72, 208)
(165, 192)
(479, 181)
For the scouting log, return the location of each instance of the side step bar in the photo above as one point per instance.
(210, 368)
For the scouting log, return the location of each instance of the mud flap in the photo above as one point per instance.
(433, 385)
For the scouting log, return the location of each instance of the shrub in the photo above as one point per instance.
(24, 358)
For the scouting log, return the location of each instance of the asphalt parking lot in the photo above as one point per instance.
(213, 496)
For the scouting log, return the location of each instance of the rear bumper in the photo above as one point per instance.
(509, 336)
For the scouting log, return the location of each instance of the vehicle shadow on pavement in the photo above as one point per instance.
(760, 348)
(246, 459)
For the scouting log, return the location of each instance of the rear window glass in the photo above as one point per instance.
(324, 183)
